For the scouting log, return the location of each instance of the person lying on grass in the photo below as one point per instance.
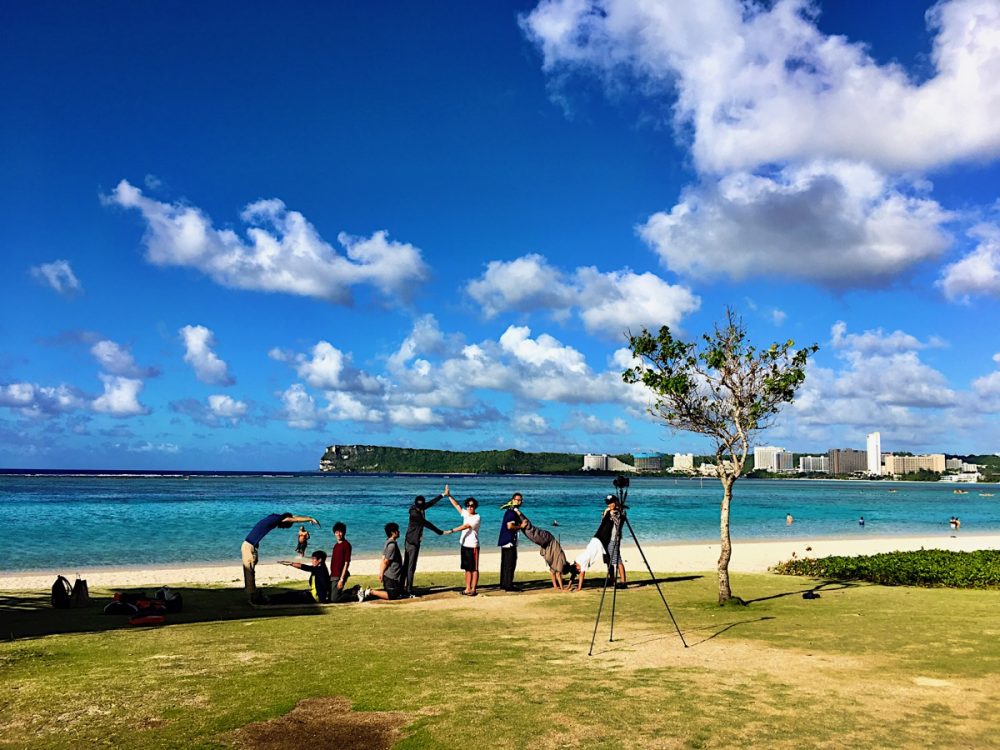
(319, 582)
(390, 572)
(550, 549)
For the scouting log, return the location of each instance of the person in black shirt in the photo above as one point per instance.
(415, 534)
(319, 582)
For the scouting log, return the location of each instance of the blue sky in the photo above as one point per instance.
(236, 235)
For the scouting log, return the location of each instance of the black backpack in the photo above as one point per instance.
(171, 600)
(62, 593)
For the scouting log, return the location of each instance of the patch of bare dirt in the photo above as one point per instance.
(321, 724)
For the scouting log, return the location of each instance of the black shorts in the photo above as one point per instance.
(470, 559)
(394, 589)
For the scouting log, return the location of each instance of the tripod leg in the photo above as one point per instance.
(655, 582)
(598, 618)
(614, 598)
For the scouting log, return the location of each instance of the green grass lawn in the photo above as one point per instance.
(862, 666)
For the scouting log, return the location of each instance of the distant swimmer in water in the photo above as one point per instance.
(788, 519)
(861, 521)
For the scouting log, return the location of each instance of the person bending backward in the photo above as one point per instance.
(597, 547)
(415, 534)
(507, 542)
(550, 549)
(468, 542)
(251, 545)
(390, 572)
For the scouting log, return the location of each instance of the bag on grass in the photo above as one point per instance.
(81, 593)
(171, 599)
(118, 607)
(62, 593)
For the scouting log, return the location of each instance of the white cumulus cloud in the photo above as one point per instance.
(120, 397)
(225, 407)
(978, 273)
(59, 276)
(607, 303)
(760, 83)
(282, 251)
(118, 360)
(208, 368)
(834, 224)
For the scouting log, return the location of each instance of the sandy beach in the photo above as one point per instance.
(748, 557)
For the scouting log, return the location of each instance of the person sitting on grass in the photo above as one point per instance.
(390, 573)
(319, 582)
(340, 563)
(550, 549)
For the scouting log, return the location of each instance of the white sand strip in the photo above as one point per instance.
(748, 557)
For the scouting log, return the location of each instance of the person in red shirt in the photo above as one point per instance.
(340, 563)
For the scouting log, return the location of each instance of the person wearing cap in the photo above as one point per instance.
(469, 541)
(415, 535)
(507, 542)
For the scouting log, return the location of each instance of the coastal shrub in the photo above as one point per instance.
(926, 567)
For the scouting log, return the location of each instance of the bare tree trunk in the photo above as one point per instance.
(726, 546)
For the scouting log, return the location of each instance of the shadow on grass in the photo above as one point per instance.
(830, 585)
(720, 630)
(31, 615)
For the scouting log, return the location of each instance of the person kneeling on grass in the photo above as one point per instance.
(319, 582)
(390, 573)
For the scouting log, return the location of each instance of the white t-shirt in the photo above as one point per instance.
(590, 556)
(470, 536)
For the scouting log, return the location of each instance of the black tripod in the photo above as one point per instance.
(621, 485)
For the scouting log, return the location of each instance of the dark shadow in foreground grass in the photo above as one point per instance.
(31, 615)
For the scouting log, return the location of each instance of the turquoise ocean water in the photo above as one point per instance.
(65, 521)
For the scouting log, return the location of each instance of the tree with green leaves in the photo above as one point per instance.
(723, 388)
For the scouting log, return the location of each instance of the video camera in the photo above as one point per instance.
(621, 485)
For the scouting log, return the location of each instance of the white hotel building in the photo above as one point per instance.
(874, 445)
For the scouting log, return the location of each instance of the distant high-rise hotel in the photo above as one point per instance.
(874, 443)
(770, 458)
(847, 461)
(814, 464)
(683, 462)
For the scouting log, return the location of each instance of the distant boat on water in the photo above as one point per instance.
(961, 492)
(985, 494)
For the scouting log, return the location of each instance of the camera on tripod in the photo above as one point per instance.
(621, 485)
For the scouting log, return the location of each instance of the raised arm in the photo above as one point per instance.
(454, 502)
(302, 519)
(431, 503)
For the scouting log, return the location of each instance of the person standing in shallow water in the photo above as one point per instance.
(415, 535)
(469, 541)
